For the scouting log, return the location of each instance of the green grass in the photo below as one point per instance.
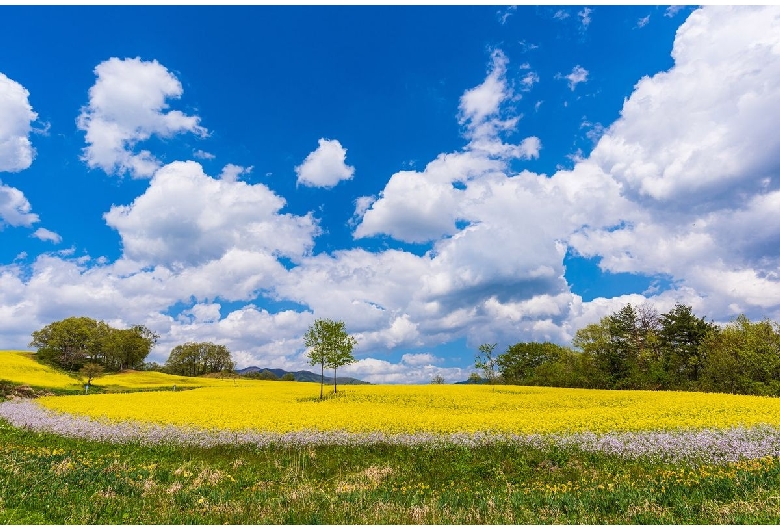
(46, 479)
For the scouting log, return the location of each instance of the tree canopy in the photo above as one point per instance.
(640, 348)
(329, 346)
(75, 341)
(199, 358)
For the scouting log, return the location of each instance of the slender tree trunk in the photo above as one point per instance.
(322, 378)
(334, 381)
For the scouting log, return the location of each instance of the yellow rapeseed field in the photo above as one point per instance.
(19, 367)
(133, 380)
(289, 406)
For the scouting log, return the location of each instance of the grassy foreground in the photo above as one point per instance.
(54, 480)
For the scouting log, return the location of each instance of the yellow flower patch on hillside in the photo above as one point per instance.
(20, 367)
(132, 379)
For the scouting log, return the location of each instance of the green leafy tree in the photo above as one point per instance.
(437, 380)
(681, 336)
(90, 371)
(536, 363)
(622, 359)
(486, 362)
(742, 358)
(199, 358)
(593, 344)
(562, 368)
(68, 343)
(127, 348)
(329, 346)
(288, 377)
(652, 375)
(74, 341)
(341, 354)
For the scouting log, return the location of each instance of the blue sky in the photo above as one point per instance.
(436, 177)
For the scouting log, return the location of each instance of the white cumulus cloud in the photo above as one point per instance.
(129, 104)
(16, 151)
(232, 172)
(16, 118)
(47, 235)
(186, 217)
(695, 152)
(15, 209)
(325, 166)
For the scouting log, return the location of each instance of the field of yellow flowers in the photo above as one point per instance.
(282, 407)
(21, 368)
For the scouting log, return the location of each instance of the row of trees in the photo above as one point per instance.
(82, 343)
(76, 341)
(640, 348)
(91, 347)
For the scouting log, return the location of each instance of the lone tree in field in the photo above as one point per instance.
(90, 371)
(486, 362)
(329, 345)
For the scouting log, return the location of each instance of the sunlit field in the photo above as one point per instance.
(20, 367)
(289, 406)
(243, 451)
(133, 380)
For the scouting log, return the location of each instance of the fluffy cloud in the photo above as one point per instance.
(15, 209)
(232, 172)
(253, 336)
(483, 101)
(16, 151)
(129, 104)
(693, 201)
(325, 166)
(425, 206)
(186, 217)
(704, 130)
(695, 153)
(125, 293)
(419, 359)
(47, 235)
(16, 117)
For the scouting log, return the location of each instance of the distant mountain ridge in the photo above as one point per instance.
(303, 376)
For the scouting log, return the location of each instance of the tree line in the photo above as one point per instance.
(642, 349)
(91, 347)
